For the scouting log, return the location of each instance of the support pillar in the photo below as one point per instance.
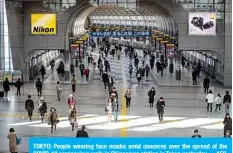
(178, 67)
(67, 65)
(171, 65)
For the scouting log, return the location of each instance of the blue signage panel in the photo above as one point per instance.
(117, 34)
(130, 145)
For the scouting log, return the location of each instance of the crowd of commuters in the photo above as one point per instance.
(113, 103)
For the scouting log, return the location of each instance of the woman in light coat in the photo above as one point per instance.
(73, 118)
(109, 109)
(218, 101)
(210, 101)
(12, 141)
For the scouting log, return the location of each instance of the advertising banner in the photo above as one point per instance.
(74, 55)
(8, 74)
(74, 47)
(118, 34)
(162, 46)
(170, 50)
(43, 24)
(202, 23)
(16, 75)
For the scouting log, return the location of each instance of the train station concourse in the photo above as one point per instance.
(135, 68)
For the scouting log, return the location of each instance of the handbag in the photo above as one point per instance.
(18, 140)
(76, 124)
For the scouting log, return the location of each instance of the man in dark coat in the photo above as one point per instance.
(105, 78)
(29, 106)
(160, 108)
(82, 133)
(151, 95)
(206, 84)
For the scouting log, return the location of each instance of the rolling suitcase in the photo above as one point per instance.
(1, 93)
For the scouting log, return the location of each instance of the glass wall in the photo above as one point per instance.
(58, 5)
(6, 58)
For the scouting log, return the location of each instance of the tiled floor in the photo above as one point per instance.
(185, 111)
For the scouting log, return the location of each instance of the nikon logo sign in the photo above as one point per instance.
(43, 24)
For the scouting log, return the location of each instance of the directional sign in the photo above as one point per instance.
(117, 34)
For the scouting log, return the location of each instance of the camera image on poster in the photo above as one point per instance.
(202, 23)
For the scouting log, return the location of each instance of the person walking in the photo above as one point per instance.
(130, 70)
(71, 102)
(210, 101)
(128, 97)
(109, 109)
(12, 141)
(82, 133)
(194, 77)
(42, 108)
(72, 118)
(160, 108)
(139, 76)
(81, 68)
(151, 95)
(206, 84)
(42, 72)
(53, 119)
(196, 134)
(73, 83)
(18, 85)
(115, 109)
(87, 72)
(147, 69)
(101, 68)
(227, 101)
(105, 78)
(6, 86)
(29, 106)
(227, 124)
(58, 90)
(218, 101)
(39, 87)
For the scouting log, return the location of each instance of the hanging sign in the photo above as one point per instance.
(162, 46)
(170, 50)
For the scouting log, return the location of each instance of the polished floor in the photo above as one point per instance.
(185, 110)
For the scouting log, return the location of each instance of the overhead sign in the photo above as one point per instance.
(202, 23)
(43, 24)
(170, 49)
(118, 34)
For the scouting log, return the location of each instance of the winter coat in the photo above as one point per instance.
(128, 94)
(42, 108)
(81, 133)
(42, 71)
(151, 95)
(160, 106)
(218, 100)
(6, 86)
(53, 118)
(105, 77)
(29, 104)
(206, 83)
(227, 124)
(12, 142)
(210, 98)
(38, 84)
(72, 117)
(115, 106)
(18, 84)
(227, 99)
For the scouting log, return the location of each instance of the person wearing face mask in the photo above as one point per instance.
(73, 118)
(228, 134)
(227, 124)
(128, 97)
(113, 93)
(160, 108)
(71, 102)
(151, 95)
(115, 109)
(53, 119)
(196, 134)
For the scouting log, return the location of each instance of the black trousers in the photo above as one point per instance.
(128, 100)
(87, 77)
(194, 81)
(218, 106)
(160, 115)
(18, 91)
(73, 87)
(72, 125)
(209, 107)
(151, 104)
(53, 125)
(30, 113)
(81, 71)
(39, 91)
(206, 90)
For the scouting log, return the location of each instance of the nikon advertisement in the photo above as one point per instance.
(202, 23)
(43, 24)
